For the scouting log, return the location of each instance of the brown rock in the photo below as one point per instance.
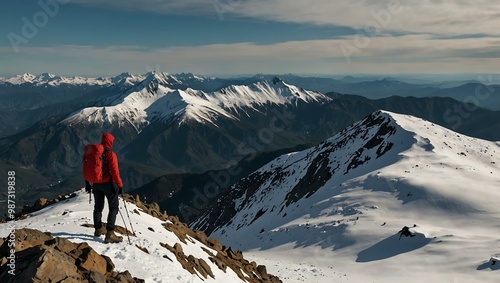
(204, 265)
(109, 264)
(90, 260)
(124, 277)
(177, 231)
(154, 206)
(62, 244)
(201, 236)
(96, 277)
(39, 204)
(262, 271)
(236, 255)
(142, 249)
(177, 247)
(248, 268)
(45, 264)
(42, 258)
(214, 244)
(219, 263)
(25, 238)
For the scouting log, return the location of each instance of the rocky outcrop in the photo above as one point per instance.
(39, 257)
(189, 262)
(42, 258)
(223, 257)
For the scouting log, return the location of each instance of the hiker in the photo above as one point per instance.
(106, 188)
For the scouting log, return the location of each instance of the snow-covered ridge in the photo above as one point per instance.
(152, 247)
(274, 91)
(123, 78)
(342, 203)
(158, 98)
(53, 80)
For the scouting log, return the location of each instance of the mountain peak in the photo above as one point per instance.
(345, 199)
(47, 76)
(276, 80)
(163, 96)
(379, 141)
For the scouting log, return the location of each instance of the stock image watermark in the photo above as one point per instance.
(483, 91)
(249, 148)
(222, 7)
(11, 215)
(374, 26)
(31, 25)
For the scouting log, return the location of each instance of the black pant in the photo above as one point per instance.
(100, 191)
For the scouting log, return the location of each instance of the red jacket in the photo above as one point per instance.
(111, 170)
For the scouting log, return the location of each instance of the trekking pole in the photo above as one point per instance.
(126, 229)
(90, 198)
(126, 210)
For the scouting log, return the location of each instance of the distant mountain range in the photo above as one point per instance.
(185, 124)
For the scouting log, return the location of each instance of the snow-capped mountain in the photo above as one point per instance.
(334, 211)
(162, 249)
(47, 79)
(167, 124)
(157, 98)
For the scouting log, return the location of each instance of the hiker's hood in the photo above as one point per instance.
(107, 140)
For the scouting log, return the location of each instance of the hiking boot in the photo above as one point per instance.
(111, 237)
(99, 232)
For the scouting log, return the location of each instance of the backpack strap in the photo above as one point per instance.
(105, 164)
(103, 157)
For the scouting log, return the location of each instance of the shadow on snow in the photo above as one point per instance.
(393, 246)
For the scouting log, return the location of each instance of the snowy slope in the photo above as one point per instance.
(65, 218)
(332, 213)
(158, 97)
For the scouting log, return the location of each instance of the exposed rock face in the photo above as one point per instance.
(367, 141)
(43, 258)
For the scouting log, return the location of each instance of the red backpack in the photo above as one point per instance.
(93, 160)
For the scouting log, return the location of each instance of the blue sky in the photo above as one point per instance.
(234, 37)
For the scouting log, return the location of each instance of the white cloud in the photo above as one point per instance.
(449, 17)
(442, 17)
(410, 54)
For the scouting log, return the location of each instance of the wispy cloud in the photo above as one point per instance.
(411, 16)
(410, 53)
(440, 17)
